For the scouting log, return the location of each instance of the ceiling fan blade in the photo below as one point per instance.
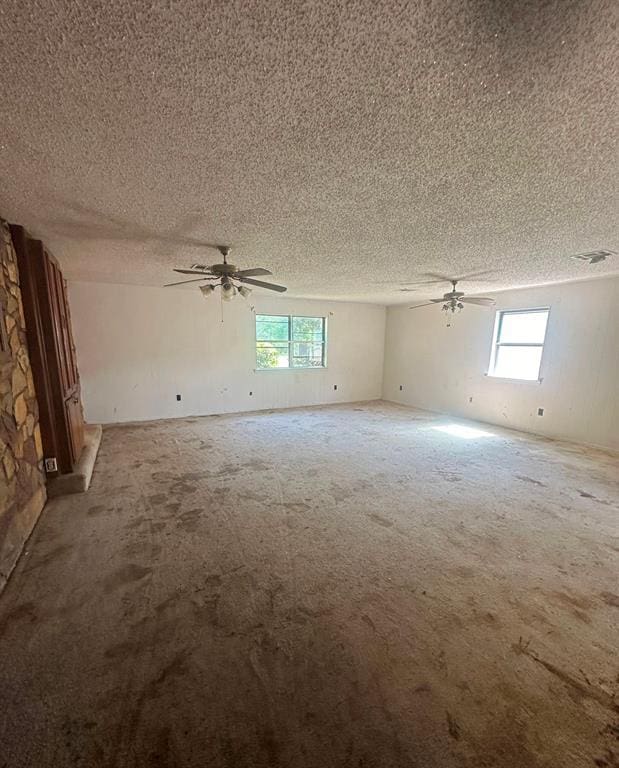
(482, 301)
(439, 278)
(417, 283)
(251, 272)
(194, 272)
(470, 275)
(184, 282)
(435, 277)
(418, 306)
(438, 301)
(260, 284)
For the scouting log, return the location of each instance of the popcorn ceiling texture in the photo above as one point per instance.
(349, 146)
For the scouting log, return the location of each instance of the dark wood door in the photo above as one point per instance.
(51, 350)
(67, 365)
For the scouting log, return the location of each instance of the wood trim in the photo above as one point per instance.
(44, 285)
(35, 335)
(48, 336)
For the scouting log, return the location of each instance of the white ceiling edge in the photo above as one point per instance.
(408, 298)
(256, 293)
(513, 289)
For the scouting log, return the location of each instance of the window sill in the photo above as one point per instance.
(290, 370)
(513, 381)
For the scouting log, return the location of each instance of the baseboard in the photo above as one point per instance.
(222, 414)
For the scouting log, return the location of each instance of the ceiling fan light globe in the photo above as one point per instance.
(207, 290)
(228, 291)
(245, 292)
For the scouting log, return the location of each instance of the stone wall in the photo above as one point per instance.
(22, 480)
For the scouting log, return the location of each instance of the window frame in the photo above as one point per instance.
(290, 342)
(497, 343)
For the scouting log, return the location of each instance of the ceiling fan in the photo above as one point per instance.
(226, 276)
(455, 300)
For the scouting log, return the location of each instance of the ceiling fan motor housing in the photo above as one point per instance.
(223, 269)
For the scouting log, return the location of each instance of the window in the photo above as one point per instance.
(283, 341)
(518, 343)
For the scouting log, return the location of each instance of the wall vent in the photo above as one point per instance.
(593, 257)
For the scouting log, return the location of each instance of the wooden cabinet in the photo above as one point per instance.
(51, 350)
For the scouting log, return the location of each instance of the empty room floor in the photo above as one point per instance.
(361, 585)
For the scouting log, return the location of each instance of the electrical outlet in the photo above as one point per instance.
(251, 393)
(401, 387)
(335, 386)
(540, 411)
(470, 399)
(178, 397)
(51, 465)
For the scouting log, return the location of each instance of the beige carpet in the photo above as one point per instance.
(323, 587)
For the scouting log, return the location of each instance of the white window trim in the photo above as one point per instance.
(290, 368)
(496, 344)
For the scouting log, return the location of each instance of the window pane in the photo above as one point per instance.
(518, 362)
(523, 327)
(271, 328)
(272, 355)
(307, 328)
(307, 355)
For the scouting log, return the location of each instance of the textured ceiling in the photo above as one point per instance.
(349, 147)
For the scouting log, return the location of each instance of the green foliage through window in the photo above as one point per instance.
(284, 341)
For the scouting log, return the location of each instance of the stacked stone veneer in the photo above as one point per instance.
(22, 480)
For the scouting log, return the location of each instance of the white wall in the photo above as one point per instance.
(137, 347)
(440, 368)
